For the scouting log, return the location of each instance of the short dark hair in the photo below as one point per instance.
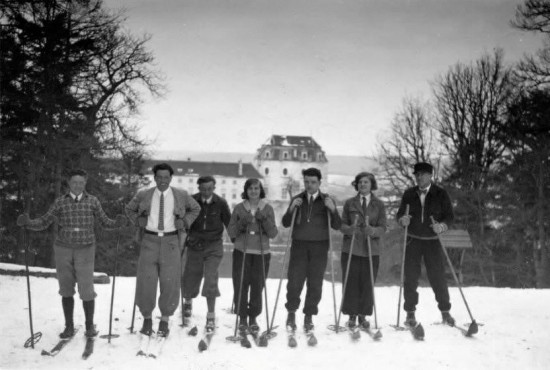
(163, 166)
(206, 179)
(312, 171)
(248, 183)
(370, 176)
(77, 172)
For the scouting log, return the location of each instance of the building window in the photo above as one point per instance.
(234, 182)
(190, 190)
(266, 171)
(283, 192)
(180, 169)
(190, 181)
(266, 155)
(285, 155)
(319, 157)
(223, 181)
(223, 195)
(285, 171)
(234, 196)
(295, 153)
(179, 180)
(304, 155)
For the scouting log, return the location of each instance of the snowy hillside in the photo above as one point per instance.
(514, 333)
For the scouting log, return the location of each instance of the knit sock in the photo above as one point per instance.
(68, 309)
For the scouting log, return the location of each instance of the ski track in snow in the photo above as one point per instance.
(514, 332)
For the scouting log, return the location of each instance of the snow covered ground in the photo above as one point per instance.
(515, 333)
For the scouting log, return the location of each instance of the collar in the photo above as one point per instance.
(261, 204)
(166, 192)
(80, 196)
(427, 189)
(209, 200)
(314, 195)
(368, 196)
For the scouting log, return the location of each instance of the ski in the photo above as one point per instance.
(354, 333)
(374, 335)
(89, 348)
(156, 348)
(291, 333)
(244, 338)
(311, 339)
(59, 346)
(472, 328)
(144, 341)
(259, 340)
(204, 343)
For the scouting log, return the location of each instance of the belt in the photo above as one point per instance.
(252, 232)
(76, 228)
(160, 234)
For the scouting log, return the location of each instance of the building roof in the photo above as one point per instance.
(301, 141)
(225, 169)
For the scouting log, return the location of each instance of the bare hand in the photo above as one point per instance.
(23, 220)
(296, 203)
(405, 220)
(329, 203)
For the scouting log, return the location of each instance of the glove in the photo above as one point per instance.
(245, 221)
(260, 216)
(438, 228)
(142, 221)
(369, 230)
(23, 220)
(405, 221)
(181, 224)
(329, 203)
(296, 203)
(121, 221)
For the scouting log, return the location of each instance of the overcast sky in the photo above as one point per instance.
(238, 71)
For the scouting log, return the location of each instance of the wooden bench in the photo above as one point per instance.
(457, 239)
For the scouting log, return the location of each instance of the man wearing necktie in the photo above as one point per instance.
(163, 215)
(310, 244)
(358, 298)
(76, 213)
(425, 200)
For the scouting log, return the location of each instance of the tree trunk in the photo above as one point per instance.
(542, 265)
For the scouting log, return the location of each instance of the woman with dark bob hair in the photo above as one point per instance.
(358, 298)
(251, 226)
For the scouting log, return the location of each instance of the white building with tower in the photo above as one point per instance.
(280, 162)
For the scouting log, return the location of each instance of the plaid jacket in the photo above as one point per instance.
(75, 220)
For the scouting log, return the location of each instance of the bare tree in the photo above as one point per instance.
(471, 104)
(411, 140)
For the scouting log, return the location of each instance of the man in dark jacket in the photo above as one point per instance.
(426, 200)
(205, 249)
(310, 244)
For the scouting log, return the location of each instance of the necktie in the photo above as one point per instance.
(76, 199)
(364, 205)
(161, 212)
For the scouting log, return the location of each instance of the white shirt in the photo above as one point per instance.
(367, 199)
(314, 195)
(169, 220)
(76, 197)
(207, 201)
(423, 196)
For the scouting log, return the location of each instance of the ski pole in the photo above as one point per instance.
(282, 271)
(378, 334)
(332, 271)
(265, 335)
(183, 259)
(110, 335)
(473, 328)
(236, 338)
(35, 337)
(348, 265)
(402, 268)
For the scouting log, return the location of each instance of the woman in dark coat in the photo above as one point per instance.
(358, 300)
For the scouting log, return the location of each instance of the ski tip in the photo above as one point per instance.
(193, 331)
(292, 343)
(45, 353)
(152, 356)
(312, 341)
(202, 346)
(418, 332)
(377, 335)
(263, 341)
(472, 329)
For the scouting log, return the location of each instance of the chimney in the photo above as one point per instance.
(240, 173)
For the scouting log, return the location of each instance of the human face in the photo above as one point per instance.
(253, 192)
(163, 179)
(207, 189)
(364, 185)
(77, 184)
(423, 179)
(312, 184)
